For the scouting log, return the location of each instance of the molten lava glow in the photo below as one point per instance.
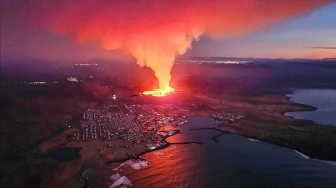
(154, 32)
(159, 93)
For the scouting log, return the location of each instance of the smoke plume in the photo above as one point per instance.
(156, 31)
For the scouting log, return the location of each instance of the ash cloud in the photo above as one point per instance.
(153, 31)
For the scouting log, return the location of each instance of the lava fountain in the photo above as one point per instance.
(159, 92)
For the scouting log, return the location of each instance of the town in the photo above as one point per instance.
(140, 123)
(137, 123)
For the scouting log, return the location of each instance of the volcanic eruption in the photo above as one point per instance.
(155, 32)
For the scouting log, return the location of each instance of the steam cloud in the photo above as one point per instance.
(156, 31)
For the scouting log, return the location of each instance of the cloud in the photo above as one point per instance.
(325, 48)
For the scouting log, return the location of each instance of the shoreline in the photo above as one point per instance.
(137, 156)
(223, 132)
(305, 107)
(310, 108)
(230, 130)
(243, 130)
(165, 145)
(214, 138)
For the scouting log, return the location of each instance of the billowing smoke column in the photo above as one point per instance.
(156, 31)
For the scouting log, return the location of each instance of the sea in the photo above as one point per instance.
(323, 99)
(231, 161)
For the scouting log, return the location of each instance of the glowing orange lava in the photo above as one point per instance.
(159, 92)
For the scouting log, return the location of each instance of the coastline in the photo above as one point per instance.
(226, 130)
(242, 127)
(305, 107)
(255, 139)
(295, 107)
(321, 103)
(138, 155)
(231, 130)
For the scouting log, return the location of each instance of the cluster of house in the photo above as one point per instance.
(226, 117)
(105, 123)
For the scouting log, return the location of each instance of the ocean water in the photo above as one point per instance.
(234, 161)
(323, 99)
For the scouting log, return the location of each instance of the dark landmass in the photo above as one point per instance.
(33, 115)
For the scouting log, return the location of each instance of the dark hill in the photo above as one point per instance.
(81, 91)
